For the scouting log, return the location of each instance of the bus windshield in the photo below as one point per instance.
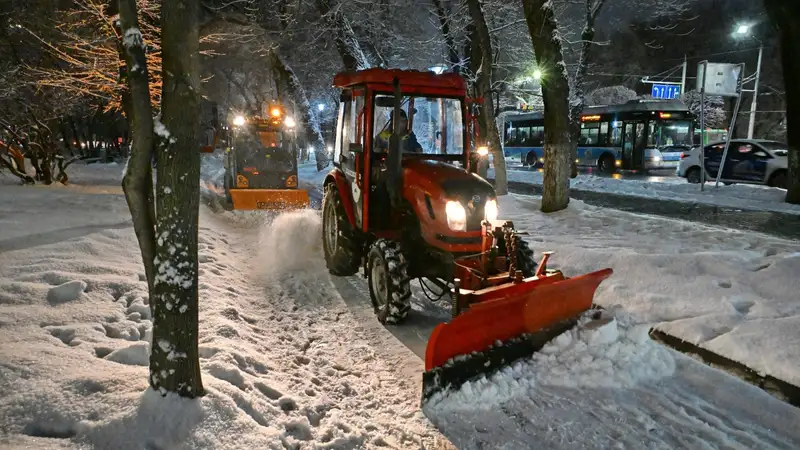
(670, 132)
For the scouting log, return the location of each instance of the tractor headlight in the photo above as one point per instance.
(456, 216)
(491, 210)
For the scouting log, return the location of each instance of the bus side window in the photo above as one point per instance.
(616, 137)
(603, 138)
(537, 136)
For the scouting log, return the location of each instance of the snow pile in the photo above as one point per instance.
(744, 196)
(607, 352)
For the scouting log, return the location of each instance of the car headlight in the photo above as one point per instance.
(491, 210)
(456, 216)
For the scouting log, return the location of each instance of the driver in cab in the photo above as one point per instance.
(408, 140)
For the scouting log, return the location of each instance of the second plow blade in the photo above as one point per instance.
(495, 333)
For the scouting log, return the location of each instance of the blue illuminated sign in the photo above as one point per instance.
(666, 91)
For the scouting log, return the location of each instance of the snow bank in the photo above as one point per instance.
(734, 293)
(744, 196)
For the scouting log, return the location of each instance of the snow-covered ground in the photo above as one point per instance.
(742, 196)
(287, 362)
(292, 358)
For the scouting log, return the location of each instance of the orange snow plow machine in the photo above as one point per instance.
(261, 162)
(403, 202)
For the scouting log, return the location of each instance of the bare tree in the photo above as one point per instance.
(555, 92)
(168, 233)
(483, 89)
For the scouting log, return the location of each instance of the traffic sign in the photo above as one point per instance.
(666, 91)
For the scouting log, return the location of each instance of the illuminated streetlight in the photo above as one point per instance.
(745, 31)
(537, 74)
(321, 107)
(438, 70)
(238, 121)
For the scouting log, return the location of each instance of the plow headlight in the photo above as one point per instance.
(456, 216)
(491, 210)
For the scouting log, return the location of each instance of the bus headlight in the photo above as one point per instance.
(456, 216)
(491, 210)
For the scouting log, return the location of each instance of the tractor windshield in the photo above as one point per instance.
(432, 125)
(264, 149)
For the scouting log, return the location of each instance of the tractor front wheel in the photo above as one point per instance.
(525, 261)
(342, 252)
(389, 286)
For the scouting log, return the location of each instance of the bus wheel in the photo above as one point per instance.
(530, 159)
(606, 163)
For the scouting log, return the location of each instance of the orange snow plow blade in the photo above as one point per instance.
(504, 323)
(269, 199)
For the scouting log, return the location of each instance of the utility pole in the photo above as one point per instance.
(683, 76)
(751, 127)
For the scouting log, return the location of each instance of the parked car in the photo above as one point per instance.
(653, 159)
(751, 161)
(672, 155)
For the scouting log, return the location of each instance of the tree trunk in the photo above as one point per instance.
(578, 97)
(785, 15)
(555, 95)
(483, 88)
(137, 181)
(444, 22)
(174, 359)
(346, 41)
(295, 90)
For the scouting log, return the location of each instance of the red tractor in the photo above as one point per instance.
(403, 202)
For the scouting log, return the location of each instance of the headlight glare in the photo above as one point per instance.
(491, 210)
(456, 216)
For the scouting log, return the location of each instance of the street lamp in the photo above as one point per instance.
(438, 69)
(537, 74)
(744, 30)
(238, 121)
(321, 107)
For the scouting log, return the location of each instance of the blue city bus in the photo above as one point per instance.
(626, 136)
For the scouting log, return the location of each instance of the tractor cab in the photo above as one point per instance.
(384, 159)
(261, 162)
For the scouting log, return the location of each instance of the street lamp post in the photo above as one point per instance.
(744, 30)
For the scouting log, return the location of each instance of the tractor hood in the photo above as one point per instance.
(457, 184)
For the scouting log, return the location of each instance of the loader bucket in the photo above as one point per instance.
(269, 199)
(515, 320)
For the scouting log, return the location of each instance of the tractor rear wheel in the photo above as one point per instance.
(342, 252)
(389, 285)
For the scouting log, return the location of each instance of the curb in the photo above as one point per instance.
(778, 388)
(774, 223)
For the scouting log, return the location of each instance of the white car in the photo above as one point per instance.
(751, 161)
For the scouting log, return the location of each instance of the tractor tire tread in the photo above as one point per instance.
(346, 260)
(399, 304)
(525, 259)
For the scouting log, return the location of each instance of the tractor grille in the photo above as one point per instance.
(475, 217)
